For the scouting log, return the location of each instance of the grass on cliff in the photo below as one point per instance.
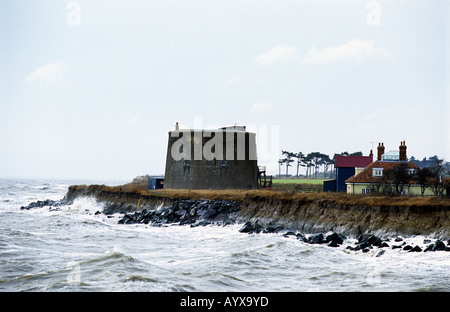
(267, 194)
(297, 181)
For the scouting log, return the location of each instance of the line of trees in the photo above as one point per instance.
(431, 173)
(312, 163)
(428, 162)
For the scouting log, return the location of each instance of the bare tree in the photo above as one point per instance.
(423, 176)
(307, 161)
(401, 178)
(316, 161)
(393, 182)
(288, 160)
(280, 163)
(436, 186)
(300, 158)
(326, 162)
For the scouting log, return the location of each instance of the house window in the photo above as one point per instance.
(366, 191)
(377, 172)
(411, 172)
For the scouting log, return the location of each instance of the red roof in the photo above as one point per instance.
(366, 176)
(352, 161)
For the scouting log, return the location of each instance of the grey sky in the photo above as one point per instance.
(90, 89)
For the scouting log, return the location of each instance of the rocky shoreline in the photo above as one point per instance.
(220, 212)
(191, 212)
(329, 223)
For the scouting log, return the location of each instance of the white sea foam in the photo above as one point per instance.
(138, 257)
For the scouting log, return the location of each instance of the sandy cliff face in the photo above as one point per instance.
(309, 214)
(350, 219)
(118, 199)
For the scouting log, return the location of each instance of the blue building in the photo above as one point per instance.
(155, 183)
(345, 167)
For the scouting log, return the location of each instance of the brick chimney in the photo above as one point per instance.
(402, 151)
(380, 150)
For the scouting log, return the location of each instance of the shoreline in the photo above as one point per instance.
(351, 215)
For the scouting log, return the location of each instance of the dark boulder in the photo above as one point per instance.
(301, 237)
(415, 249)
(167, 214)
(246, 228)
(375, 241)
(362, 245)
(438, 245)
(211, 211)
(367, 241)
(43, 203)
(370, 239)
(258, 227)
(187, 212)
(335, 239)
(289, 233)
(316, 239)
(126, 219)
(273, 229)
(333, 244)
(407, 247)
(250, 227)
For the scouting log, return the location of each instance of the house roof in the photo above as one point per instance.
(352, 161)
(446, 181)
(366, 176)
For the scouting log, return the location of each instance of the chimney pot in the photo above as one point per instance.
(380, 150)
(402, 151)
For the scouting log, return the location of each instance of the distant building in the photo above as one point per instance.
(224, 158)
(374, 175)
(345, 167)
(155, 183)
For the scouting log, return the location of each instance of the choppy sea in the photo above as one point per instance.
(71, 248)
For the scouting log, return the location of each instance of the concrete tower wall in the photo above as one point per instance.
(211, 159)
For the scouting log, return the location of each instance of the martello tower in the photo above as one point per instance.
(211, 159)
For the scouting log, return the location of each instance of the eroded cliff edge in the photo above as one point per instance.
(430, 218)
(309, 213)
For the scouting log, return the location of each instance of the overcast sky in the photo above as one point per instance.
(90, 89)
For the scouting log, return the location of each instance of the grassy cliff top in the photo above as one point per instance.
(136, 189)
